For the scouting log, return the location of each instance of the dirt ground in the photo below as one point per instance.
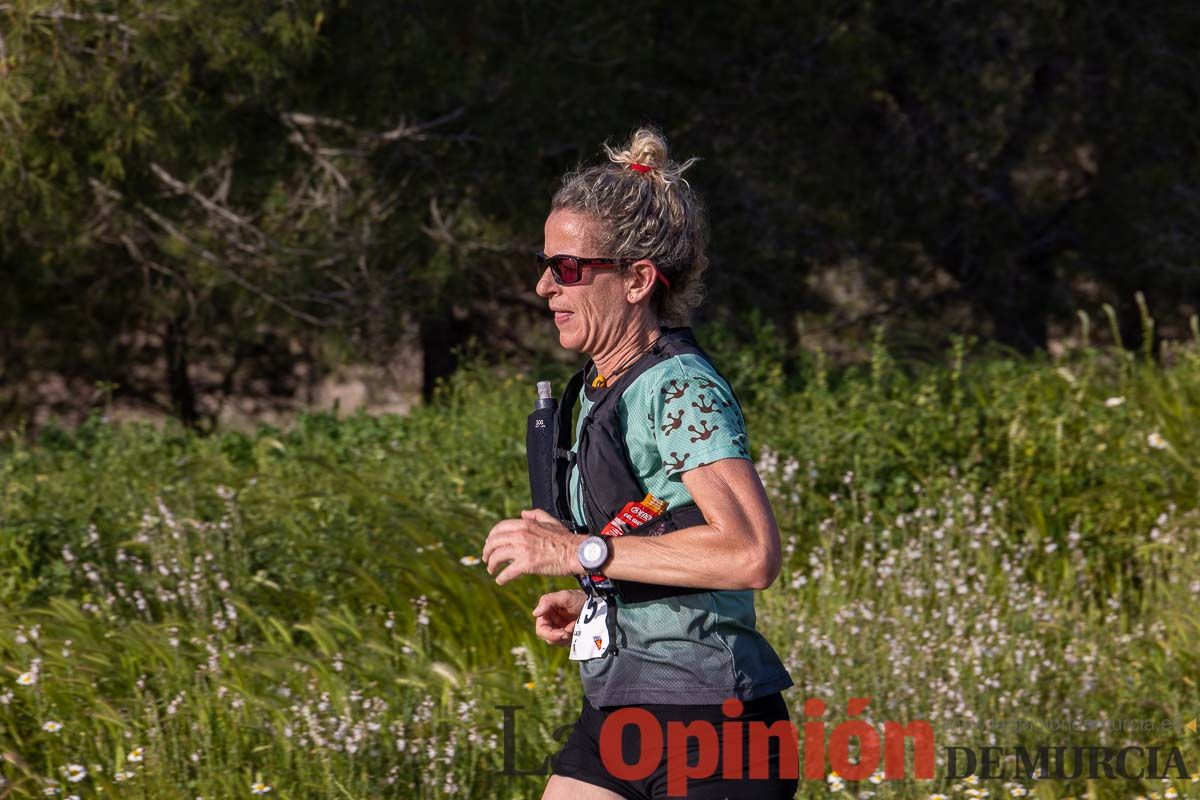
(391, 389)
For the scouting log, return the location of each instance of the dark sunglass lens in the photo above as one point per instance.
(568, 271)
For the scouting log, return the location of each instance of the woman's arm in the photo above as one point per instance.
(738, 547)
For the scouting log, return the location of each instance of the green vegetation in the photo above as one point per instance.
(988, 538)
(238, 186)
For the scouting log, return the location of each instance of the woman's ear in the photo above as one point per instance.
(642, 273)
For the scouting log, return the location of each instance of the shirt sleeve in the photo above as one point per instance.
(696, 421)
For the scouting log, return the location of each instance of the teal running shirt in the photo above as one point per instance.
(694, 649)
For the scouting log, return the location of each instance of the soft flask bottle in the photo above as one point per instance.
(541, 437)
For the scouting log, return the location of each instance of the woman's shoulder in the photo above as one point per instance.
(678, 381)
(690, 413)
(672, 373)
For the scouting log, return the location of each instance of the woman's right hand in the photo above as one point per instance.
(556, 614)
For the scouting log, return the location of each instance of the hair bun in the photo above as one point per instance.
(646, 152)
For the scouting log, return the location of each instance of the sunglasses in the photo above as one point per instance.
(567, 270)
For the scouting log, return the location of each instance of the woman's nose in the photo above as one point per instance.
(544, 284)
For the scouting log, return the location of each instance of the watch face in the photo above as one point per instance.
(593, 553)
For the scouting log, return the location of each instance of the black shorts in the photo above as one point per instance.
(580, 756)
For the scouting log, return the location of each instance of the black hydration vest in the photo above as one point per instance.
(606, 477)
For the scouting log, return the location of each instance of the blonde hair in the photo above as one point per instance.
(646, 209)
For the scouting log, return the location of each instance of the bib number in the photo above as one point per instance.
(590, 638)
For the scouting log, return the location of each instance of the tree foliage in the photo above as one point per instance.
(183, 184)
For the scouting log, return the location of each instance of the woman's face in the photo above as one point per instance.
(593, 315)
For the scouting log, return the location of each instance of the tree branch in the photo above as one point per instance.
(59, 14)
(214, 259)
(440, 231)
(207, 204)
(413, 132)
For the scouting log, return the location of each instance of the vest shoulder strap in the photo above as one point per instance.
(606, 475)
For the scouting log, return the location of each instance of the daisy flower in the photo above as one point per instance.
(50, 726)
(259, 788)
(1156, 441)
(468, 561)
(26, 679)
(1113, 402)
(135, 755)
(75, 772)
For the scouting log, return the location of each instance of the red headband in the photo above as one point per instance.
(640, 168)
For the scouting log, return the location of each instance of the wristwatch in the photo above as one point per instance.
(593, 552)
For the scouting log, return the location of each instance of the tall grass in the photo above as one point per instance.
(988, 539)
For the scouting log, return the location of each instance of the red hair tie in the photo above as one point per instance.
(639, 168)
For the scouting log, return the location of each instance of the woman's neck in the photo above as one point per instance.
(614, 362)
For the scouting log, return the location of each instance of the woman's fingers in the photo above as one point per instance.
(545, 632)
(547, 602)
(556, 614)
(554, 634)
(555, 617)
(553, 621)
(564, 599)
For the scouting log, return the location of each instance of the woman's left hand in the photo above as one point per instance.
(535, 544)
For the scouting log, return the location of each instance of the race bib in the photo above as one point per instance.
(590, 638)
